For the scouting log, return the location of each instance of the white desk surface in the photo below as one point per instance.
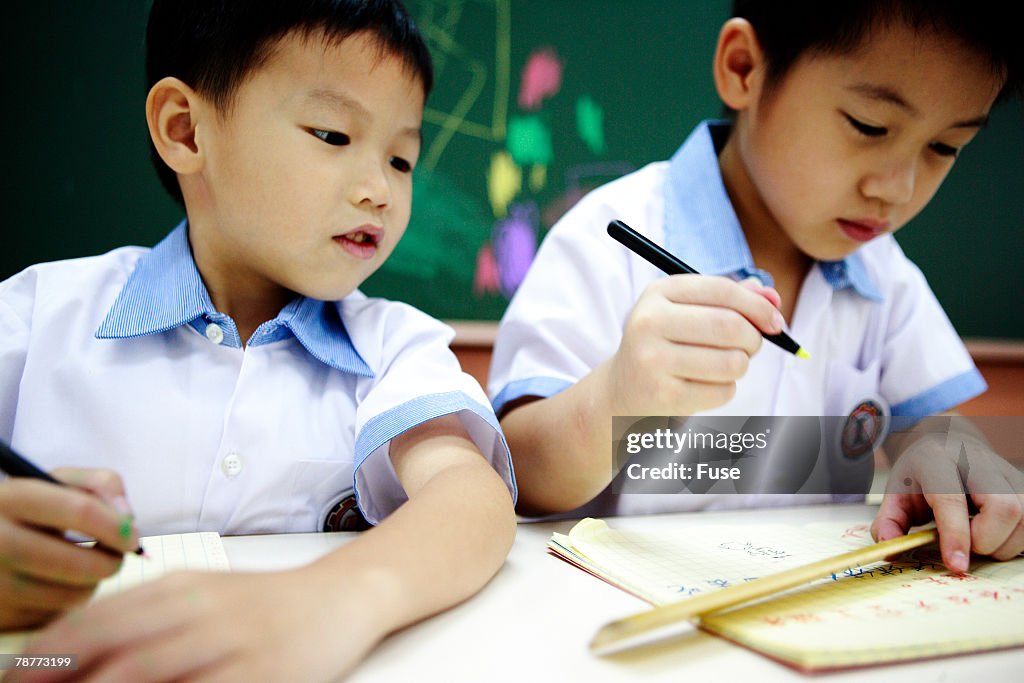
(533, 621)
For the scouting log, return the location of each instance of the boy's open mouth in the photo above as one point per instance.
(361, 242)
(862, 230)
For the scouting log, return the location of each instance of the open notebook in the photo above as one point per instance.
(199, 551)
(890, 611)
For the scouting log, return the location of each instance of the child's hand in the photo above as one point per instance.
(279, 626)
(924, 483)
(687, 341)
(41, 573)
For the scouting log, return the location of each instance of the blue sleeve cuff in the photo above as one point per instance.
(534, 386)
(381, 429)
(944, 396)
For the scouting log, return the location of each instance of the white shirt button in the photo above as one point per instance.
(214, 333)
(231, 465)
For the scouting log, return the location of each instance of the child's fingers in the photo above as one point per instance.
(124, 622)
(997, 489)
(64, 508)
(998, 521)
(1014, 544)
(939, 481)
(1012, 547)
(42, 556)
(679, 379)
(25, 592)
(705, 364)
(105, 483)
(754, 285)
(953, 523)
(724, 293)
(892, 519)
(712, 326)
(696, 324)
(15, 618)
(168, 657)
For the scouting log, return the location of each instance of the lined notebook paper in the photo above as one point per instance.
(910, 608)
(199, 551)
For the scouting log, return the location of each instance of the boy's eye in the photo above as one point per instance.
(331, 137)
(865, 129)
(944, 150)
(400, 164)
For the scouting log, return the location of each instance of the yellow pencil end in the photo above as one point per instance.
(801, 353)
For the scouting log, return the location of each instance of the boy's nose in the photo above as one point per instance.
(371, 185)
(893, 184)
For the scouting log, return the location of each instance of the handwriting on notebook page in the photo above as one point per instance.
(888, 611)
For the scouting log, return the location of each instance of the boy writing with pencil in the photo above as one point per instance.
(233, 378)
(848, 116)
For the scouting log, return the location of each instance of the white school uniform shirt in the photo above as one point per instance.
(872, 325)
(121, 361)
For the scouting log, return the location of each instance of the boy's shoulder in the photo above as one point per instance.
(377, 314)
(87, 282)
(119, 261)
(382, 329)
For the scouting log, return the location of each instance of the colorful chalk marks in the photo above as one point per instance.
(590, 123)
(542, 78)
(515, 243)
(504, 181)
(529, 140)
(499, 126)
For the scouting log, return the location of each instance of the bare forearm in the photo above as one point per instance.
(435, 551)
(317, 622)
(561, 446)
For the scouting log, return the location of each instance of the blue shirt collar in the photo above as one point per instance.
(165, 291)
(702, 228)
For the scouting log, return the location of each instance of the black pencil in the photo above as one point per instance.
(17, 466)
(671, 265)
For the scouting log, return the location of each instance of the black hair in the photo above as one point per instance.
(213, 45)
(790, 29)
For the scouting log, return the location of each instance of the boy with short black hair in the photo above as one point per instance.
(234, 379)
(848, 117)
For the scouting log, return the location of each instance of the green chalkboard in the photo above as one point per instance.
(536, 103)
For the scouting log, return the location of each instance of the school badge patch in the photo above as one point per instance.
(863, 429)
(345, 516)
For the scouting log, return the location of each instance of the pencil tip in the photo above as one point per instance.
(801, 353)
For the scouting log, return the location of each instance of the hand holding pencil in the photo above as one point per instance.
(41, 573)
(687, 341)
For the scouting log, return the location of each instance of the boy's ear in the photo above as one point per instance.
(739, 64)
(172, 110)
